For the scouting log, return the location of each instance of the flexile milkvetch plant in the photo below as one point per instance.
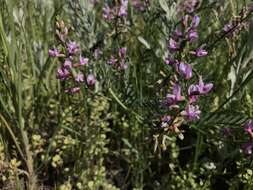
(184, 46)
(187, 84)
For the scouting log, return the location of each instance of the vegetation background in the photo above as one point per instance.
(105, 138)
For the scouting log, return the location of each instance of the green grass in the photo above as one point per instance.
(110, 130)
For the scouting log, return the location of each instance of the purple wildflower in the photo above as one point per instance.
(185, 70)
(123, 65)
(191, 112)
(195, 21)
(172, 99)
(200, 52)
(107, 13)
(199, 89)
(192, 35)
(177, 92)
(190, 5)
(165, 121)
(97, 53)
(170, 61)
(137, 4)
(122, 52)
(62, 73)
(204, 88)
(73, 90)
(166, 118)
(83, 60)
(193, 92)
(229, 30)
(91, 80)
(193, 98)
(227, 27)
(67, 64)
(248, 127)
(54, 53)
(178, 33)
(112, 60)
(79, 77)
(173, 46)
(247, 148)
(123, 8)
(73, 48)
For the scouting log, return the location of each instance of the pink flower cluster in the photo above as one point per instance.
(248, 146)
(183, 102)
(188, 6)
(109, 13)
(72, 62)
(120, 11)
(140, 5)
(119, 61)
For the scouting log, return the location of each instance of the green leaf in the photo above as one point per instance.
(144, 42)
(164, 5)
(126, 142)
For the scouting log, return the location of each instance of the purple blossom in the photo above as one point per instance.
(195, 21)
(137, 4)
(199, 89)
(112, 60)
(72, 47)
(83, 60)
(229, 30)
(191, 113)
(177, 92)
(193, 92)
(62, 73)
(227, 27)
(189, 5)
(192, 35)
(97, 53)
(185, 70)
(91, 80)
(200, 52)
(107, 13)
(204, 88)
(178, 33)
(79, 77)
(247, 148)
(172, 99)
(166, 118)
(73, 90)
(248, 127)
(123, 65)
(173, 46)
(170, 61)
(165, 121)
(193, 98)
(67, 64)
(54, 53)
(123, 8)
(122, 52)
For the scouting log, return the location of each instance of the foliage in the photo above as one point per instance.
(109, 136)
